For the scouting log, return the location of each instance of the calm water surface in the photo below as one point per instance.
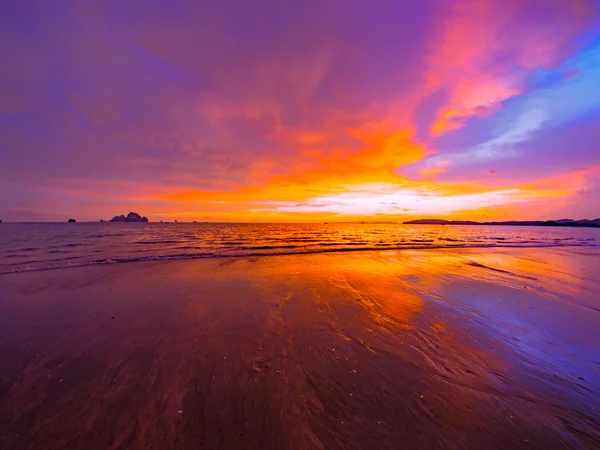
(34, 246)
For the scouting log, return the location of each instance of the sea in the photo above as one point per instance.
(42, 246)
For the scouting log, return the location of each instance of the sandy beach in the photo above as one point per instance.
(455, 348)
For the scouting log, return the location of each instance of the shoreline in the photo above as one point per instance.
(252, 254)
(464, 348)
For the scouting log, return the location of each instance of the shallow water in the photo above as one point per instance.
(34, 246)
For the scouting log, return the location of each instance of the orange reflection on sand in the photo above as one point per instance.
(325, 351)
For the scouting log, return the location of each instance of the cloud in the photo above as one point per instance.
(530, 118)
(485, 48)
(175, 105)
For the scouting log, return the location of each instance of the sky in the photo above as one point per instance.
(280, 111)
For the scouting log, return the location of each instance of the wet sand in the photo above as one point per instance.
(477, 348)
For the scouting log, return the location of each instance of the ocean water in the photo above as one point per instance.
(37, 246)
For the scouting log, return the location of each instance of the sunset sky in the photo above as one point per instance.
(300, 111)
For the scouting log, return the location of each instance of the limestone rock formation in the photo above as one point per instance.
(131, 217)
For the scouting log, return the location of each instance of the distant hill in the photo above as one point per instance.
(427, 222)
(595, 223)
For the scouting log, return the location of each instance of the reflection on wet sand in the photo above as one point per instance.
(400, 349)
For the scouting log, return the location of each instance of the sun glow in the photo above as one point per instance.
(391, 200)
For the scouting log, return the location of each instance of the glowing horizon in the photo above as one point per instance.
(222, 111)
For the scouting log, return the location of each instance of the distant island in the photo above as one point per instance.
(131, 217)
(595, 223)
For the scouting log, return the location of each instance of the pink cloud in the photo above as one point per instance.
(484, 48)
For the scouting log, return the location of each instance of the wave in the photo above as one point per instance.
(71, 245)
(269, 247)
(158, 241)
(295, 240)
(282, 251)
